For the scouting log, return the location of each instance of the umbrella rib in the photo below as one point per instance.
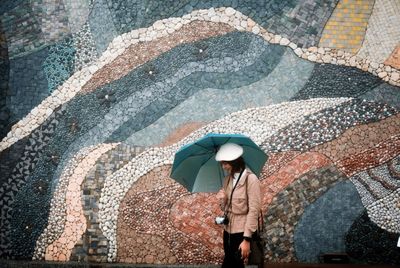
(194, 155)
(204, 147)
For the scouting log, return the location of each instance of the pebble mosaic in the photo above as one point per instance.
(30, 153)
(288, 206)
(93, 245)
(382, 34)
(200, 76)
(140, 53)
(5, 123)
(314, 130)
(22, 29)
(59, 63)
(101, 25)
(287, 78)
(227, 15)
(378, 182)
(360, 248)
(61, 140)
(330, 216)
(77, 13)
(394, 58)
(301, 21)
(346, 27)
(75, 224)
(27, 87)
(86, 52)
(260, 123)
(141, 209)
(379, 154)
(329, 81)
(384, 93)
(358, 138)
(156, 76)
(54, 16)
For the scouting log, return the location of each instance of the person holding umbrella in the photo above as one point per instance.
(240, 199)
(231, 162)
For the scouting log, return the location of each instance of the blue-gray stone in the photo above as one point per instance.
(332, 81)
(101, 25)
(324, 223)
(384, 93)
(28, 83)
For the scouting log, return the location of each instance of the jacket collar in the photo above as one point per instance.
(243, 177)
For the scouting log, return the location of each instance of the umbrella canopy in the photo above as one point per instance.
(197, 170)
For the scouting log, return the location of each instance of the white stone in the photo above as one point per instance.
(178, 26)
(230, 11)
(224, 18)
(251, 23)
(374, 65)
(267, 37)
(255, 30)
(284, 41)
(388, 69)
(158, 25)
(352, 61)
(321, 50)
(395, 76)
(292, 45)
(312, 57)
(215, 19)
(382, 74)
(326, 58)
(277, 39)
(313, 49)
(298, 51)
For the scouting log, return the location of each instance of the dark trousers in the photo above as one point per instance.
(232, 257)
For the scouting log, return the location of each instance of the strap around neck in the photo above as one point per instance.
(233, 189)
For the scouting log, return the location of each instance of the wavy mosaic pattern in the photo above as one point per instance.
(385, 38)
(346, 27)
(97, 96)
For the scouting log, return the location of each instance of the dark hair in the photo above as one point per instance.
(237, 165)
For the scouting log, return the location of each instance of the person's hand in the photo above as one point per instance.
(244, 248)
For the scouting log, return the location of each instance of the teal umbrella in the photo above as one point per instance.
(197, 170)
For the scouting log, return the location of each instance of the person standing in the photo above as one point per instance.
(240, 200)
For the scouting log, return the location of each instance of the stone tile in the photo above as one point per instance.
(394, 58)
(145, 213)
(141, 53)
(382, 34)
(346, 27)
(181, 132)
(370, 158)
(288, 206)
(360, 138)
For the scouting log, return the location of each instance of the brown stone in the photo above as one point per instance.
(181, 132)
(394, 58)
(143, 52)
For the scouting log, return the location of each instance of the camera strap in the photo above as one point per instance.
(233, 189)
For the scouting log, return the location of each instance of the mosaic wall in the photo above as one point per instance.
(98, 95)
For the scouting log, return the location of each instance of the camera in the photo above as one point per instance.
(222, 220)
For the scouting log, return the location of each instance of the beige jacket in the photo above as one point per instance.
(244, 210)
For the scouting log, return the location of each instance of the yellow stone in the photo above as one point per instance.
(354, 41)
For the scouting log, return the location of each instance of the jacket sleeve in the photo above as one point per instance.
(254, 204)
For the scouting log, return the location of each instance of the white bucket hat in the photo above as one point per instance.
(229, 152)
